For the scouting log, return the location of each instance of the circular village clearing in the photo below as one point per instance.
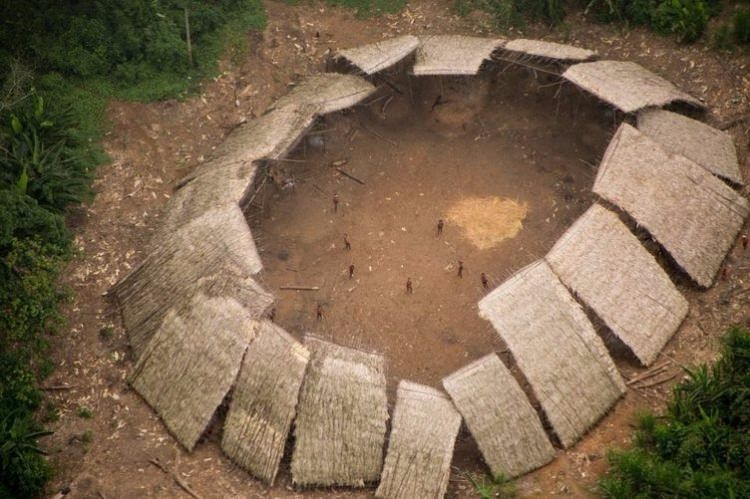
(411, 241)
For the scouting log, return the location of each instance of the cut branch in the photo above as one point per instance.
(349, 175)
(179, 481)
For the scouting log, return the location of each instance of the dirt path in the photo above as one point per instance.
(152, 145)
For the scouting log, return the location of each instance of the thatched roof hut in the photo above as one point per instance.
(626, 85)
(227, 177)
(264, 401)
(711, 148)
(378, 56)
(556, 348)
(341, 417)
(453, 54)
(272, 135)
(603, 263)
(423, 432)
(694, 215)
(199, 344)
(549, 50)
(214, 253)
(329, 92)
(500, 417)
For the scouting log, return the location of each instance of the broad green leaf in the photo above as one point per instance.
(15, 124)
(23, 181)
(39, 106)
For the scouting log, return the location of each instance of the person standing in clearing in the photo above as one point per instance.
(485, 281)
(351, 271)
(347, 244)
(409, 288)
(460, 268)
(335, 203)
(440, 225)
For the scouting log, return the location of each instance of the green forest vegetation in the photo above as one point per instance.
(368, 8)
(687, 20)
(61, 61)
(700, 447)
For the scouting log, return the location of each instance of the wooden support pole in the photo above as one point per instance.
(187, 38)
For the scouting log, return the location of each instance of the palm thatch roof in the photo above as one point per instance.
(694, 215)
(423, 432)
(214, 253)
(453, 54)
(556, 348)
(500, 417)
(227, 177)
(378, 56)
(272, 135)
(711, 148)
(603, 263)
(264, 401)
(341, 418)
(328, 92)
(626, 85)
(549, 50)
(199, 344)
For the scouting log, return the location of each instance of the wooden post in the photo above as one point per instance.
(187, 37)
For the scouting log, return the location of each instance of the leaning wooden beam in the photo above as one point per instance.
(378, 56)
(329, 92)
(423, 433)
(549, 50)
(500, 417)
(453, 54)
(556, 348)
(711, 148)
(626, 85)
(604, 264)
(340, 428)
(214, 253)
(264, 401)
(694, 215)
(200, 344)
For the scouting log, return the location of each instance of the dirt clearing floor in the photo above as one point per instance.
(487, 156)
(153, 145)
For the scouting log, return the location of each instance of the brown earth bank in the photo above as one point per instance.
(514, 147)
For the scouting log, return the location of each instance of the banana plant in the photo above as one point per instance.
(19, 438)
(36, 162)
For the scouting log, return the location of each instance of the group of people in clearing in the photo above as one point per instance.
(319, 312)
(409, 284)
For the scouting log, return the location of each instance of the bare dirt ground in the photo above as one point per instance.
(487, 160)
(152, 145)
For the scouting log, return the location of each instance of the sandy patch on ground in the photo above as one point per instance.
(488, 221)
